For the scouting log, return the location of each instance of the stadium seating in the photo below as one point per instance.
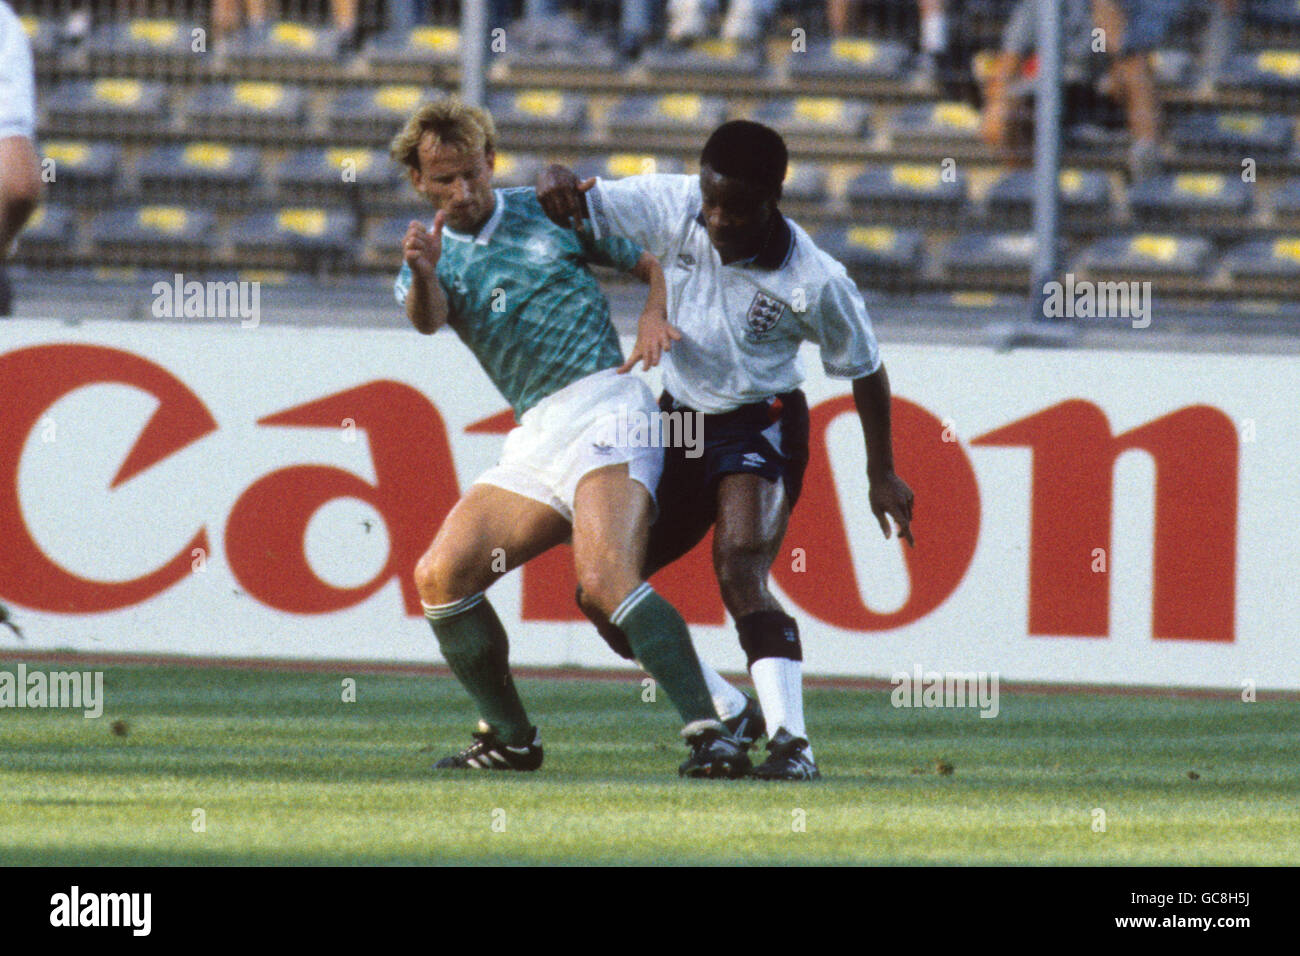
(852, 60)
(154, 235)
(146, 45)
(223, 110)
(108, 107)
(1085, 200)
(420, 48)
(877, 256)
(130, 116)
(84, 172)
(1266, 266)
(902, 192)
(1286, 204)
(373, 115)
(49, 233)
(333, 175)
(1177, 262)
(1233, 134)
(989, 260)
(618, 165)
(822, 117)
(311, 239)
(186, 172)
(535, 110)
(285, 50)
(706, 59)
(1191, 200)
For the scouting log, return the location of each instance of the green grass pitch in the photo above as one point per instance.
(285, 772)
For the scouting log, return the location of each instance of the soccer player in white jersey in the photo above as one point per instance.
(20, 183)
(746, 287)
(517, 291)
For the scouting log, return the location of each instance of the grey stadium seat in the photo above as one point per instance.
(1190, 200)
(851, 59)
(619, 165)
(826, 117)
(713, 57)
(1085, 198)
(1266, 266)
(909, 191)
(374, 114)
(330, 174)
(1233, 134)
(537, 109)
(174, 234)
(989, 259)
(230, 109)
(419, 47)
(669, 113)
(878, 256)
(111, 106)
(83, 171)
(309, 237)
(216, 170)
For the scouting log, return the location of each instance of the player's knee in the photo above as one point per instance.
(442, 577)
(598, 595)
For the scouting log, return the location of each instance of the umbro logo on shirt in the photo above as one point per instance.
(753, 459)
(685, 260)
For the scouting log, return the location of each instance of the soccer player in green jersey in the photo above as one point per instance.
(517, 291)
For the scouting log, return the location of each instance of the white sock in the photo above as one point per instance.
(727, 700)
(778, 681)
(934, 33)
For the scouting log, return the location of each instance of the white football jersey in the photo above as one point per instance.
(17, 83)
(741, 324)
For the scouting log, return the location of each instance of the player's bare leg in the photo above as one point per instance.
(752, 517)
(488, 533)
(612, 515)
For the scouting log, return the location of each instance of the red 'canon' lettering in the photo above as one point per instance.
(416, 487)
(947, 522)
(32, 380)
(1195, 555)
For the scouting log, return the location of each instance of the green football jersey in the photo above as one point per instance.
(521, 297)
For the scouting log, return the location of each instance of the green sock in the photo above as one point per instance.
(662, 643)
(475, 646)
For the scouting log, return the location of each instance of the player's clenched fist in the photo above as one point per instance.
(422, 248)
(559, 191)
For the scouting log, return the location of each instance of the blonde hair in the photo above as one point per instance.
(454, 124)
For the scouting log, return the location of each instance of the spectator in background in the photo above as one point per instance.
(20, 180)
(746, 21)
(1130, 38)
(228, 16)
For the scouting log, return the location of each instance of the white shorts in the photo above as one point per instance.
(588, 424)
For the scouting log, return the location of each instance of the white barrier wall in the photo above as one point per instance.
(1096, 517)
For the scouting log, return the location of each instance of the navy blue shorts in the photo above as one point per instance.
(767, 438)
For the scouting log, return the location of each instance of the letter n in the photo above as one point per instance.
(1195, 554)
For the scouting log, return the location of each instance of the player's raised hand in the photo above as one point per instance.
(421, 248)
(560, 191)
(891, 498)
(654, 336)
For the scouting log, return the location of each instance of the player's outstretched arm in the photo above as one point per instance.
(559, 190)
(889, 494)
(426, 303)
(654, 334)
